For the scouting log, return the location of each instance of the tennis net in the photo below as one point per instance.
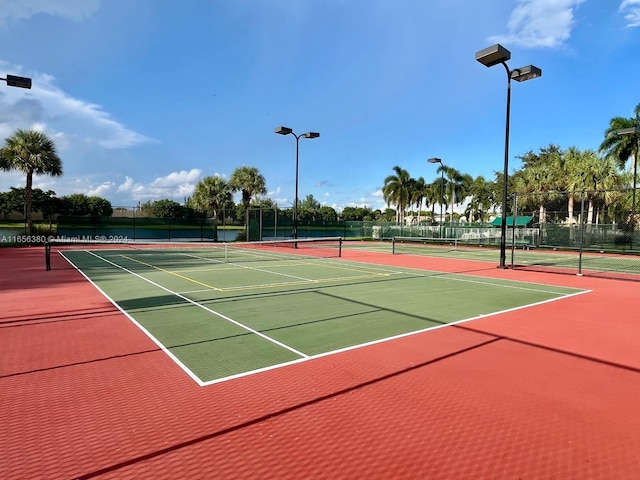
(100, 252)
(418, 245)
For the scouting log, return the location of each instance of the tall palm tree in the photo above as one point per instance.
(250, 182)
(397, 191)
(540, 175)
(32, 153)
(594, 172)
(455, 186)
(212, 194)
(480, 193)
(574, 163)
(621, 147)
(432, 196)
(417, 195)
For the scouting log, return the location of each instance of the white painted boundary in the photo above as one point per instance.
(304, 357)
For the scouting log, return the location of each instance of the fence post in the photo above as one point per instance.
(582, 223)
(513, 227)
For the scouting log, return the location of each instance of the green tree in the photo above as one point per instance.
(624, 147)
(621, 147)
(32, 153)
(389, 214)
(81, 204)
(166, 208)
(397, 191)
(480, 198)
(418, 195)
(309, 208)
(328, 214)
(12, 201)
(250, 182)
(455, 186)
(211, 195)
(99, 207)
(349, 214)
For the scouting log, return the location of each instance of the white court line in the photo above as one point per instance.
(462, 277)
(304, 357)
(207, 309)
(184, 368)
(250, 268)
(387, 339)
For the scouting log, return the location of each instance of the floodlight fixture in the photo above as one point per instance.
(490, 56)
(310, 135)
(628, 131)
(288, 131)
(16, 81)
(283, 130)
(493, 55)
(523, 74)
(434, 160)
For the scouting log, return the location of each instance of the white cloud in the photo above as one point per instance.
(126, 186)
(175, 186)
(540, 23)
(70, 9)
(101, 190)
(631, 10)
(66, 119)
(274, 192)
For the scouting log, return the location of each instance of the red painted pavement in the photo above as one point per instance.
(546, 392)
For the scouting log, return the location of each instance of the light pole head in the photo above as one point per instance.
(493, 55)
(628, 131)
(310, 135)
(15, 81)
(283, 130)
(435, 160)
(523, 74)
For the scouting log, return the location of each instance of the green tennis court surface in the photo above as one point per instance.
(220, 316)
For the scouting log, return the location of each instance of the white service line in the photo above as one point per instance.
(218, 314)
(251, 268)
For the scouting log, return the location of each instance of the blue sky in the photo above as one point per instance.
(144, 98)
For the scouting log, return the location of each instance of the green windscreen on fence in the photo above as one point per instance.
(118, 229)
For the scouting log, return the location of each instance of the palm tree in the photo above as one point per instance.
(432, 196)
(212, 194)
(594, 173)
(397, 191)
(417, 195)
(32, 153)
(623, 147)
(250, 182)
(456, 186)
(480, 193)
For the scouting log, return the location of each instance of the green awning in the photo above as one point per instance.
(520, 221)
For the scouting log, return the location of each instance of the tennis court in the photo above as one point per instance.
(522, 255)
(223, 311)
(322, 361)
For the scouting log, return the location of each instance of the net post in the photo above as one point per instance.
(47, 255)
(339, 247)
(393, 245)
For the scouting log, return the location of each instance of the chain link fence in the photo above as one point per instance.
(586, 232)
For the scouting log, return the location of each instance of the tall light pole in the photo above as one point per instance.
(438, 160)
(287, 131)
(15, 81)
(635, 131)
(490, 56)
